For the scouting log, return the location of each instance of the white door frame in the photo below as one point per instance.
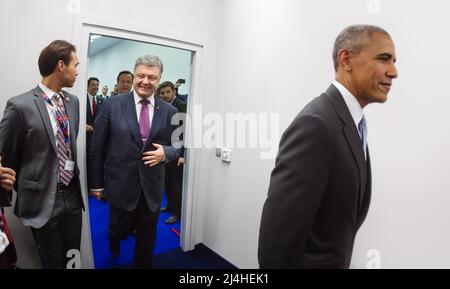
(84, 25)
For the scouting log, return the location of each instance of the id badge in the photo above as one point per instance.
(70, 165)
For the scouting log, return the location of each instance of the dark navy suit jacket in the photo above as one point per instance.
(116, 152)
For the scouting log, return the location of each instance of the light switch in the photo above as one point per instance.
(226, 155)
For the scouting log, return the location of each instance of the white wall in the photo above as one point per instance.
(107, 64)
(277, 57)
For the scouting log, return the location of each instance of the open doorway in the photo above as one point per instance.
(110, 74)
(127, 31)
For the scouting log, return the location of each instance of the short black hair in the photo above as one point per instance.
(93, 78)
(125, 72)
(167, 84)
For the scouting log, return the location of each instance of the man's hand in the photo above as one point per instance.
(180, 162)
(152, 158)
(89, 128)
(7, 178)
(97, 194)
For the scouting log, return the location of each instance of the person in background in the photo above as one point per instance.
(174, 169)
(105, 92)
(124, 82)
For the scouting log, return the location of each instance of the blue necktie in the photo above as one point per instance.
(362, 127)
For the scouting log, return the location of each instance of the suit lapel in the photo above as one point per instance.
(42, 107)
(129, 111)
(88, 105)
(352, 137)
(156, 122)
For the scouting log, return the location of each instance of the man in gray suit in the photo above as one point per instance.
(320, 188)
(38, 136)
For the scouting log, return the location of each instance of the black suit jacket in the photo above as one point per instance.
(116, 152)
(90, 119)
(319, 191)
(181, 106)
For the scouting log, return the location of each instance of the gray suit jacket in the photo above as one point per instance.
(27, 145)
(319, 191)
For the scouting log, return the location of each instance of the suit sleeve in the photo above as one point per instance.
(98, 145)
(297, 185)
(11, 138)
(172, 151)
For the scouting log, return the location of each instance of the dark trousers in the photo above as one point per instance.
(62, 232)
(122, 223)
(174, 187)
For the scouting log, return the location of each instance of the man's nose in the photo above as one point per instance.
(392, 71)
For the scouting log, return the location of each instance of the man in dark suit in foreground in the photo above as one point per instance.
(320, 188)
(130, 146)
(38, 137)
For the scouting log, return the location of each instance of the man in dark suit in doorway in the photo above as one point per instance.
(93, 105)
(131, 144)
(38, 137)
(320, 188)
(174, 169)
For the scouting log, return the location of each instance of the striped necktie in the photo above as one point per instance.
(63, 140)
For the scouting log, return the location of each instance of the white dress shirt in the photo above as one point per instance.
(91, 101)
(354, 107)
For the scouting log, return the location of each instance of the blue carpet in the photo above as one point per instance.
(199, 258)
(166, 239)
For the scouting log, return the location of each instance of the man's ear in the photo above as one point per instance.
(345, 60)
(60, 66)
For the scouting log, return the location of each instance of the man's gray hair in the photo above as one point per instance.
(149, 60)
(354, 38)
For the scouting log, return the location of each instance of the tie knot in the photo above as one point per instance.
(145, 102)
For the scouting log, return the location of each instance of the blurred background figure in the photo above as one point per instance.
(174, 169)
(124, 82)
(105, 91)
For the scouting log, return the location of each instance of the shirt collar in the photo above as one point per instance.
(138, 98)
(350, 100)
(47, 91)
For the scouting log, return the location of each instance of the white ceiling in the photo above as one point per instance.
(100, 43)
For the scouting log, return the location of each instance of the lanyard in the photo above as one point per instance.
(63, 120)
